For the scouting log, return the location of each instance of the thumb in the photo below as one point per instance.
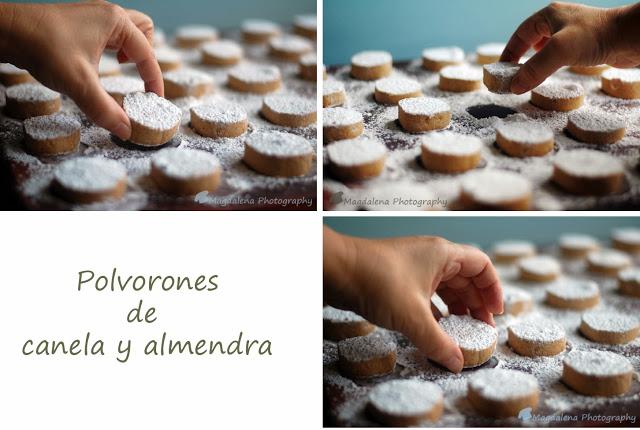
(424, 331)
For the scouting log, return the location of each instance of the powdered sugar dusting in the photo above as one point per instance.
(462, 72)
(197, 32)
(444, 54)
(89, 174)
(514, 248)
(220, 113)
(525, 132)
(279, 144)
(108, 65)
(427, 106)
(52, 126)
(260, 26)
(502, 384)
(10, 69)
(503, 74)
(491, 49)
(254, 73)
(226, 49)
(310, 59)
(597, 363)
(182, 163)
(627, 235)
(537, 330)
(331, 86)
(31, 93)
(362, 348)
(397, 86)
(588, 163)
(340, 316)
(610, 321)
(468, 332)
(630, 275)
(188, 77)
(609, 258)
(290, 104)
(578, 241)
(630, 76)
(371, 58)
(559, 90)
(540, 265)
(495, 186)
(590, 119)
(122, 84)
(291, 43)
(573, 289)
(354, 152)
(340, 117)
(152, 111)
(449, 143)
(405, 397)
(513, 296)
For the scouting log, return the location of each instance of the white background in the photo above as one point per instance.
(269, 267)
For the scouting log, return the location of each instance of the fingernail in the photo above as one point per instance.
(517, 86)
(123, 131)
(453, 363)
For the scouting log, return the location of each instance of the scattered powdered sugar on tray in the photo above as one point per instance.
(468, 332)
(221, 113)
(397, 86)
(51, 126)
(90, 174)
(537, 330)
(405, 397)
(290, 104)
(354, 152)
(597, 363)
(340, 117)
(559, 90)
(340, 316)
(449, 143)
(371, 58)
(152, 111)
(279, 144)
(185, 163)
(587, 163)
(427, 106)
(610, 321)
(502, 384)
(31, 93)
(363, 348)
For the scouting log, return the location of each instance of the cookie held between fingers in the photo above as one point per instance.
(371, 65)
(392, 90)
(186, 82)
(449, 152)
(340, 124)
(535, 337)
(184, 172)
(495, 190)
(289, 110)
(498, 76)
(253, 78)
(12, 75)
(597, 373)
(405, 402)
(420, 114)
(573, 294)
(609, 327)
(621, 83)
(154, 120)
(588, 172)
(219, 120)
(356, 159)
(435, 59)
(275, 153)
(333, 93)
(54, 134)
(524, 138)
(338, 324)
(502, 393)
(89, 180)
(367, 356)
(476, 339)
(29, 100)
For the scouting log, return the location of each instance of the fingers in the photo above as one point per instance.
(143, 22)
(99, 106)
(425, 332)
(543, 64)
(530, 33)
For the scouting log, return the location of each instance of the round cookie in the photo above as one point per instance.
(356, 159)
(535, 337)
(12, 75)
(333, 93)
(516, 300)
(597, 373)
(476, 339)
(587, 172)
(275, 153)
(338, 324)
(259, 31)
(186, 83)
(577, 245)
(340, 123)
(367, 356)
(192, 36)
(608, 262)
(221, 53)
(154, 120)
(498, 76)
(185, 172)
(392, 90)
(588, 70)
(629, 282)
(159, 37)
(502, 393)
(524, 138)
(626, 239)
(253, 78)
(219, 120)
(308, 66)
(449, 152)
(89, 180)
(120, 86)
(289, 47)
(510, 251)
(495, 190)
(594, 126)
(558, 96)
(168, 59)
(539, 268)
(621, 83)
(305, 26)
(108, 66)
(54, 134)
(573, 294)
(405, 402)
(460, 79)
(610, 327)
(289, 110)
(436, 59)
(371, 65)
(489, 53)
(419, 114)
(28, 100)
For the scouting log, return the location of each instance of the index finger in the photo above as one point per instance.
(138, 49)
(531, 32)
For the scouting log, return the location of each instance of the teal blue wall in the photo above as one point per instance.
(482, 231)
(169, 14)
(405, 27)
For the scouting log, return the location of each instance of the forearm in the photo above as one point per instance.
(339, 263)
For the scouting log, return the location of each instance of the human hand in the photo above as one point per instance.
(566, 34)
(390, 283)
(61, 46)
